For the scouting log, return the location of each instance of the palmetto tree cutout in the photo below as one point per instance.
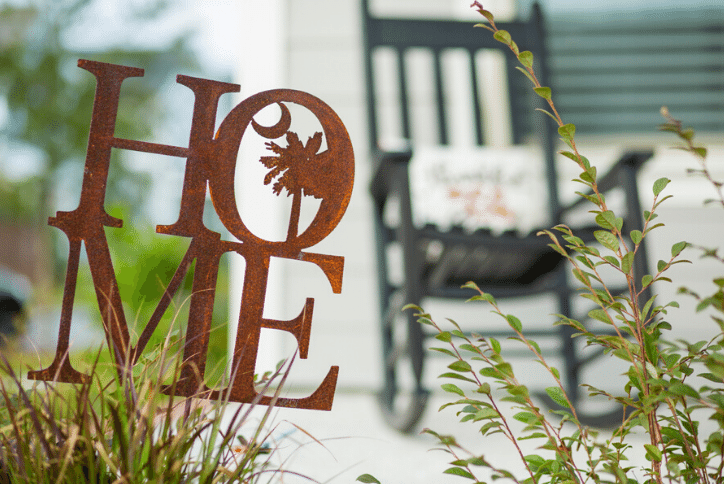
(301, 171)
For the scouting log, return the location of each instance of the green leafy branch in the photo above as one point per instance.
(659, 396)
(487, 351)
(567, 131)
(675, 126)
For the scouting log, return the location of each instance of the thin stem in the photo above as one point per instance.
(508, 432)
(688, 137)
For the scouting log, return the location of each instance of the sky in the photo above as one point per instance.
(213, 25)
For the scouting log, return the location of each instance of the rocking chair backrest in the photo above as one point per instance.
(413, 51)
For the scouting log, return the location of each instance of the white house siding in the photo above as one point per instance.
(324, 52)
(324, 59)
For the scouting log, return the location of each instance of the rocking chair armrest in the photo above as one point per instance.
(386, 164)
(622, 174)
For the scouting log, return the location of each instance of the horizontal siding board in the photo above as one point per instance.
(641, 41)
(590, 82)
(672, 21)
(633, 61)
(629, 100)
(612, 74)
(647, 124)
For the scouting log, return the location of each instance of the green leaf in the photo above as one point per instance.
(486, 413)
(653, 452)
(482, 297)
(653, 227)
(503, 36)
(607, 239)
(687, 134)
(484, 388)
(660, 184)
(544, 92)
(581, 276)
(573, 240)
(558, 396)
(452, 388)
(606, 220)
(424, 320)
(412, 306)
(456, 376)
(627, 262)
(489, 372)
(636, 236)
(459, 365)
(711, 377)
(612, 260)
(619, 223)
(535, 346)
(506, 369)
(444, 336)
(585, 261)
(590, 198)
(696, 347)
(683, 389)
(651, 370)
(446, 351)
(558, 249)
(469, 347)
(570, 155)
(586, 177)
(526, 58)
(568, 131)
(368, 479)
(485, 429)
(469, 285)
(649, 303)
(458, 471)
(599, 315)
(525, 417)
(527, 74)
(486, 14)
(646, 280)
(486, 27)
(476, 461)
(548, 113)
(514, 323)
(494, 344)
(677, 248)
(536, 460)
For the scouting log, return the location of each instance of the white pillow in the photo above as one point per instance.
(495, 188)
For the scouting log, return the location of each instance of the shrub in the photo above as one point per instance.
(123, 428)
(670, 387)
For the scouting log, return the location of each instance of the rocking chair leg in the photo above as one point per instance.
(403, 398)
(573, 365)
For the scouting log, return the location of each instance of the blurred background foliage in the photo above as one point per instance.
(45, 112)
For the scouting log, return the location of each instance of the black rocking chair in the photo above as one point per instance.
(507, 265)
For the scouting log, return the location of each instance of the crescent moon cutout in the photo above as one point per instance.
(276, 131)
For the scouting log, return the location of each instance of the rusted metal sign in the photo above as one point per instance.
(210, 164)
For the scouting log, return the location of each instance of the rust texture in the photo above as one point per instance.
(211, 158)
